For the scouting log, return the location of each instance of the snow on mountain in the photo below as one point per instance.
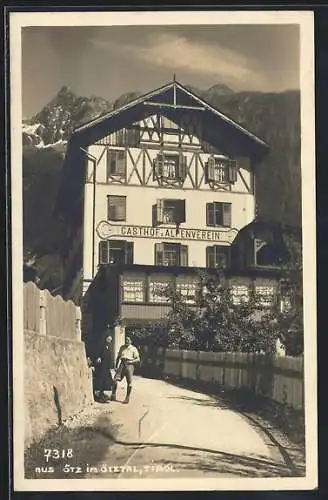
(53, 125)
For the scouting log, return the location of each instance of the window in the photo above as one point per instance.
(157, 291)
(169, 166)
(133, 290)
(116, 208)
(218, 256)
(267, 254)
(171, 254)
(286, 304)
(221, 170)
(240, 294)
(169, 212)
(116, 160)
(116, 252)
(125, 137)
(265, 295)
(189, 291)
(218, 214)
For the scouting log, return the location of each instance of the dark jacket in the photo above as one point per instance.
(103, 379)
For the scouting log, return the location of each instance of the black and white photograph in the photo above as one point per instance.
(163, 228)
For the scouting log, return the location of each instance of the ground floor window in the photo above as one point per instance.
(116, 252)
(240, 294)
(265, 294)
(189, 291)
(133, 290)
(217, 256)
(285, 304)
(171, 254)
(157, 291)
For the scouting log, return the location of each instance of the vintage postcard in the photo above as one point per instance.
(163, 244)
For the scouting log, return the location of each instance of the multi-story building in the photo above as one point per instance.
(163, 182)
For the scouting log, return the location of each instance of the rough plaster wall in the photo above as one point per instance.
(57, 384)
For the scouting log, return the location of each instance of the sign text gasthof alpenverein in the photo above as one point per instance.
(106, 230)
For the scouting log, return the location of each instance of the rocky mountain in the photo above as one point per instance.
(275, 117)
(56, 121)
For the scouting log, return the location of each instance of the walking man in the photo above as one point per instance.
(103, 380)
(127, 358)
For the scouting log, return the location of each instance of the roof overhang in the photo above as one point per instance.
(173, 101)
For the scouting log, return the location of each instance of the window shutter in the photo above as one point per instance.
(120, 136)
(121, 208)
(129, 252)
(211, 169)
(183, 255)
(155, 168)
(206, 173)
(109, 208)
(108, 163)
(154, 215)
(158, 167)
(103, 252)
(159, 254)
(160, 211)
(120, 165)
(182, 167)
(232, 172)
(210, 261)
(226, 214)
(132, 137)
(210, 214)
(181, 210)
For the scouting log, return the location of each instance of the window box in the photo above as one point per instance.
(220, 171)
(170, 168)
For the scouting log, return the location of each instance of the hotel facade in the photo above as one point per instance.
(151, 193)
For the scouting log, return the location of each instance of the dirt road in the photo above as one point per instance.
(165, 432)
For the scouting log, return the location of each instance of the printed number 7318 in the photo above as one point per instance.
(56, 454)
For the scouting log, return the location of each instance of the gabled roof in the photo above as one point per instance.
(172, 100)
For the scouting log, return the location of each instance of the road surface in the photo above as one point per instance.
(165, 432)
(171, 431)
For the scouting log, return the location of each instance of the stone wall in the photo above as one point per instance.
(57, 380)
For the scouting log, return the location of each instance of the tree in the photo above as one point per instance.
(290, 318)
(220, 322)
(217, 323)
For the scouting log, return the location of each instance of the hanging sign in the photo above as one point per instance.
(106, 230)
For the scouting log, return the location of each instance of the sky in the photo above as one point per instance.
(111, 60)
